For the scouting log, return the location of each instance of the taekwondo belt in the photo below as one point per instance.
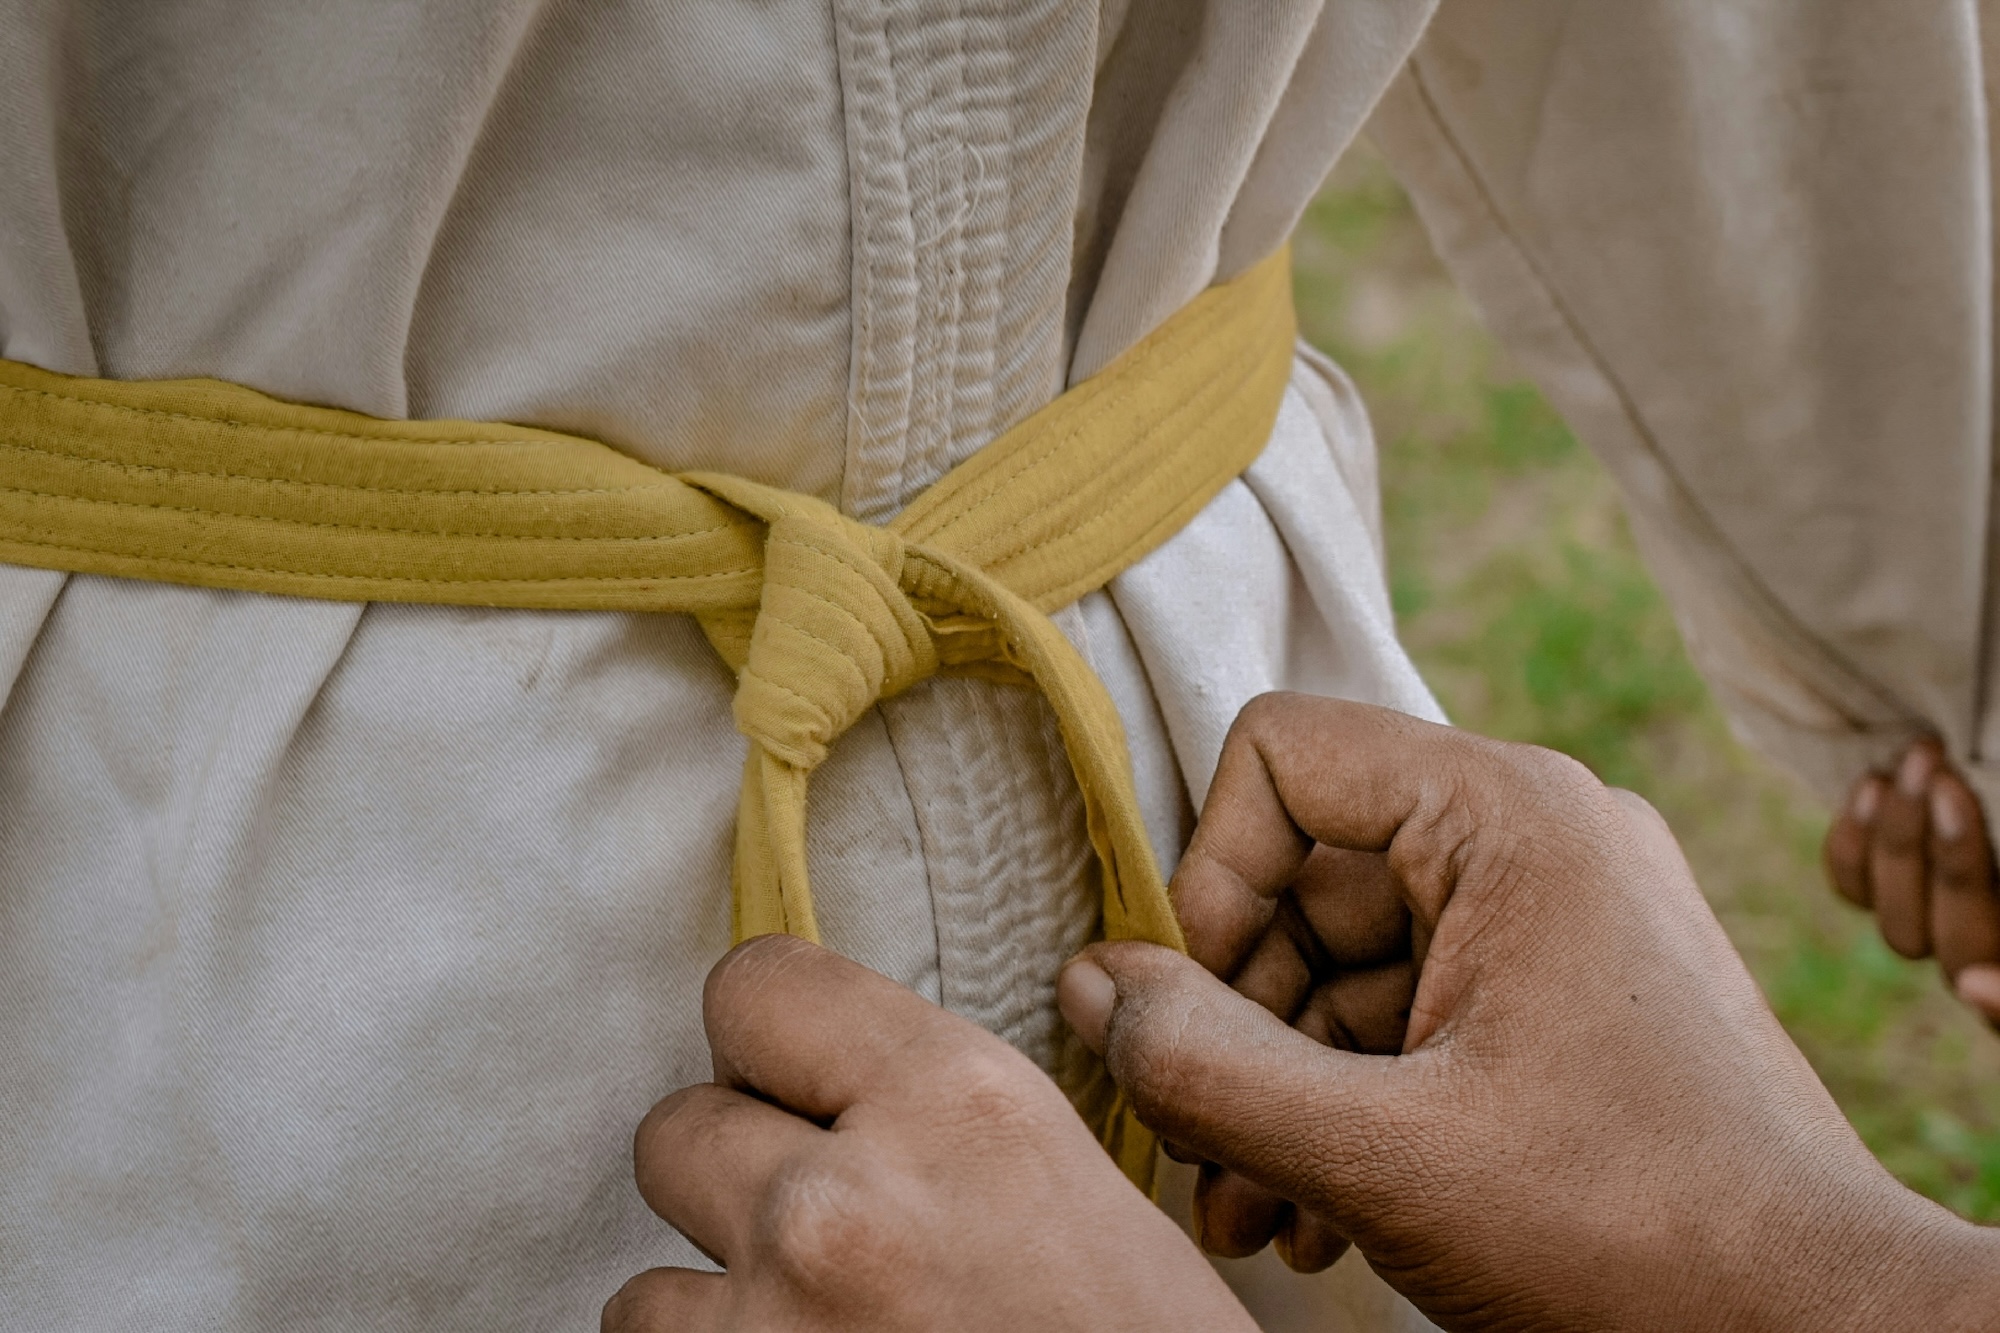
(820, 615)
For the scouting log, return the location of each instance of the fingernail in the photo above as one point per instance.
(1978, 985)
(1085, 994)
(1946, 817)
(1866, 797)
(1282, 1243)
(1914, 774)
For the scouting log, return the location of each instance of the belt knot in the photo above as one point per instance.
(834, 632)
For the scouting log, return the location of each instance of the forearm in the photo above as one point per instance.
(1871, 1258)
(1929, 1271)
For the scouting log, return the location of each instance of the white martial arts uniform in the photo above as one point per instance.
(341, 947)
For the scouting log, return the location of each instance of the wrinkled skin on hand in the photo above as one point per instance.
(1594, 1120)
(1338, 961)
(865, 1160)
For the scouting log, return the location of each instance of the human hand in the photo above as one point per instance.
(864, 1159)
(1338, 960)
(1912, 849)
(1597, 1122)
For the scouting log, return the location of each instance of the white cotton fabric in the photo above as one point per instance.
(342, 947)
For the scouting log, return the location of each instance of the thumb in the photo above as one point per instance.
(1217, 1073)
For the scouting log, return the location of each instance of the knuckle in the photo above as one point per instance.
(747, 968)
(668, 1107)
(992, 1086)
(1504, 784)
(1503, 791)
(1639, 807)
(669, 1116)
(1553, 774)
(1257, 727)
(658, 1144)
(630, 1309)
(829, 1228)
(1266, 713)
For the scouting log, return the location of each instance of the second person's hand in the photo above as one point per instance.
(1910, 848)
(1596, 1121)
(865, 1160)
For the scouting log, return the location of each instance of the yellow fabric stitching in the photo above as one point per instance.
(711, 576)
(232, 423)
(1105, 402)
(1110, 513)
(246, 479)
(1059, 503)
(308, 524)
(1251, 353)
(824, 601)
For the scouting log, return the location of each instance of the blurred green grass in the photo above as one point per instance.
(1519, 593)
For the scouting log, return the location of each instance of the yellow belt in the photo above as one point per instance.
(202, 482)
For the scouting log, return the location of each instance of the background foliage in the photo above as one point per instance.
(1519, 593)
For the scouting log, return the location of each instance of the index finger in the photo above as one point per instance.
(817, 1032)
(1296, 770)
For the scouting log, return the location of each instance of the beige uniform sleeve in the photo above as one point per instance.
(1745, 247)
